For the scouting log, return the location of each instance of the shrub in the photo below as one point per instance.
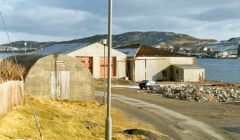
(10, 70)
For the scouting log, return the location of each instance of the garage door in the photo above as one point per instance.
(87, 62)
(105, 67)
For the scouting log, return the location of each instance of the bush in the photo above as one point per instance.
(10, 70)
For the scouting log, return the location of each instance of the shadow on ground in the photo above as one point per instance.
(232, 129)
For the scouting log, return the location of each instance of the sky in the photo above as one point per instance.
(57, 20)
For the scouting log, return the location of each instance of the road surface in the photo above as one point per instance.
(178, 119)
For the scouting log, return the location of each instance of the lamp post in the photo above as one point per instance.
(108, 131)
(25, 44)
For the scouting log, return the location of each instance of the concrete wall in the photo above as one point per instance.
(153, 68)
(178, 77)
(187, 75)
(194, 75)
(182, 60)
(38, 79)
(96, 51)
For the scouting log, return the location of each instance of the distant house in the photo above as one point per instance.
(183, 73)
(92, 56)
(148, 63)
(57, 77)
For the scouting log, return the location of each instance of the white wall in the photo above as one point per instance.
(182, 60)
(151, 68)
(194, 75)
(96, 51)
(139, 73)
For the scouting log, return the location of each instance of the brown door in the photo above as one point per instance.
(105, 67)
(87, 62)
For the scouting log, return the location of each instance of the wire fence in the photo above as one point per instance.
(11, 94)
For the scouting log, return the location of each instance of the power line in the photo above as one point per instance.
(36, 119)
(8, 37)
(32, 108)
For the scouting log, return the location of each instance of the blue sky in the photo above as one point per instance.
(45, 20)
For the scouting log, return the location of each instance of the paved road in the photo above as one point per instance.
(171, 122)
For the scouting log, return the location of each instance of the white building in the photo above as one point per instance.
(148, 63)
(92, 56)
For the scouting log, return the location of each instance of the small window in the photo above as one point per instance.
(164, 73)
(177, 71)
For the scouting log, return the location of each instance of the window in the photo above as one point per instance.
(177, 71)
(164, 73)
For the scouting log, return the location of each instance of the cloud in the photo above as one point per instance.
(218, 14)
(70, 19)
(17, 36)
(53, 21)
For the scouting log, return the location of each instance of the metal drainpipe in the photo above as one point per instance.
(104, 75)
(145, 69)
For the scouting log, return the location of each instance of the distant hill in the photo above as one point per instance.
(230, 45)
(155, 39)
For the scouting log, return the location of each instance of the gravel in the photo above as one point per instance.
(199, 93)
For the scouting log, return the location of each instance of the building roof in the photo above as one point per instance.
(140, 50)
(188, 66)
(61, 48)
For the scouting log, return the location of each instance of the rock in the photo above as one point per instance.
(199, 93)
(89, 125)
(146, 133)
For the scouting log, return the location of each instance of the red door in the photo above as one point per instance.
(87, 62)
(105, 67)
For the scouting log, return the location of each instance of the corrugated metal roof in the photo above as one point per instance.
(129, 51)
(61, 48)
(139, 50)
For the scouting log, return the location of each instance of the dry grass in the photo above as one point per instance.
(10, 71)
(64, 121)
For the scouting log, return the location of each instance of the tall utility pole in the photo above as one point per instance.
(108, 132)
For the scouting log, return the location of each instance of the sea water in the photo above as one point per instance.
(227, 70)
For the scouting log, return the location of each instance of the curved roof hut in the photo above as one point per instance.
(56, 76)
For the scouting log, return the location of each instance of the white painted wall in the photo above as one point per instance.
(96, 50)
(151, 68)
(182, 60)
(139, 73)
(194, 75)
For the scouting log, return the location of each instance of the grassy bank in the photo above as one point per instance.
(65, 120)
